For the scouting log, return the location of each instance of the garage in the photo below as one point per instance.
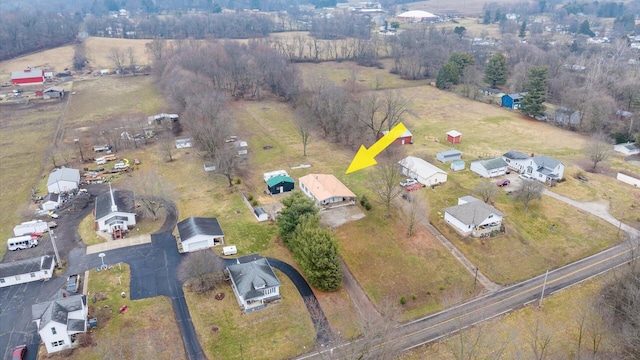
(197, 233)
(197, 245)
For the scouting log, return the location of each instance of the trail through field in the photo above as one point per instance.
(59, 134)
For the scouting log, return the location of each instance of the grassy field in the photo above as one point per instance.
(515, 333)
(124, 336)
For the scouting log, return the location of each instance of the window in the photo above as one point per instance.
(17, 277)
(57, 343)
(53, 331)
(33, 274)
(2, 281)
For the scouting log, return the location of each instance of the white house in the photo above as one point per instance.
(326, 190)
(64, 179)
(28, 270)
(544, 168)
(184, 143)
(516, 160)
(115, 210)
(489, 168)
(627, 148)
(253, 282)
(419, 169)
(449, 155)
(197, 233)
(474, 218)
(59, 321)
(50, 202)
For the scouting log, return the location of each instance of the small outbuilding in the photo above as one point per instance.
(268, 175)
(198, 233)
(512, 101)
(458, 165)
(489, 168)
(54, 92)
(405, 138)
(260, 214)
(280, 184)
(184, 143)
(51, 202)
(63, 180)
(627, 148)
(454, 137)
(449, 155)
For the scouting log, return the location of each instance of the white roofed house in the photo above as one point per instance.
(627, 148)
(254, 282)
(423, 171)
(59, 321)
(489, 168)
(473, 217)
(115, 210)
(63, 180)
(198, 233)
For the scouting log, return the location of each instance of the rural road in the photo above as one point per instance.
(433, 327)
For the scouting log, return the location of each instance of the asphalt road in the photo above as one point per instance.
(431, 328)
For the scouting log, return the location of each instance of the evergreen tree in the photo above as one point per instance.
(487, 17)
(317, 254)
(585, 28)
(495, 73)
(296, 207)
(461, 60)
(523, 29)
(448, 75)
(498, 16)
(533, 101)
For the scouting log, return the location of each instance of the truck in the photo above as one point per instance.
(22, 242)
(30, 227)
(73, 283)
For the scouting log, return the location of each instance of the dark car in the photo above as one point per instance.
(18, 352)
(503, 182)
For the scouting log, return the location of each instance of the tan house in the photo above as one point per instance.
(326, 190)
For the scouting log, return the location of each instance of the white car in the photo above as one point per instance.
(525, 177)
(408, 182)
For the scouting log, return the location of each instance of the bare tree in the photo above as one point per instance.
(131, 56)
(597, 149)
(540, 340)
(157, 49)
(167, 147)
(529, 190)
(66, 153)
(226, 162)
(117, 57)
(209, 123)
(201, 269)
(384, 181)
(417, 211)
(304, 128)
(79, 56)
(151, 191)
(486, 190)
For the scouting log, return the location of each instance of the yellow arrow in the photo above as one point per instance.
(366, 157)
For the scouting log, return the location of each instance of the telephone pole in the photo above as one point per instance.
(55, 249)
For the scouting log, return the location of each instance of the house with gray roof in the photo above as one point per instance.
(254, 283)
(63, 180)
(115, 210)
(627, 148)
(198, 233)
(59, 321)
(545, 169)
(489, 168)
(516, 160)
(473, 218)
(28, 270)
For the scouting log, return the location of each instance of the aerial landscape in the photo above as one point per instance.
(312, 179)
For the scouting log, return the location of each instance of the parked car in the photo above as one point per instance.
(503, 182)
(412, 187)
(73, 283)
(52, 224)
(19, 352)
(408, 182)
(525, 177)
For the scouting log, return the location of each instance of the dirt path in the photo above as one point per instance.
(360, 300)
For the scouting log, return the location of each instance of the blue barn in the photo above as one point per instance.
(512, 101)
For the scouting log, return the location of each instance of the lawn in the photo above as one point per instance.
(128, 335)
(282, 330)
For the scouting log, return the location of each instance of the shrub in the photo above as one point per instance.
(254, 202)
(238, 181)
(403, 300)
(250, 197)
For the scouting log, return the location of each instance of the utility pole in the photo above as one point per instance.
(544, 286)
(55, 249)
(475, 280)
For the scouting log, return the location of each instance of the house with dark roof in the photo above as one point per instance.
(51, 201)
(198, 233)
(254, 283)
(28, 270)
(53, 92)
(545, 169)
(115, 210)
(60, 321)
(516, 160)
(473, 217)
(63, 180)
(280, 184)
(489, 168)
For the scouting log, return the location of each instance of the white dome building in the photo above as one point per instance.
(417, 15)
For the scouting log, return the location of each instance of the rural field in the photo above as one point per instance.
(388, 265)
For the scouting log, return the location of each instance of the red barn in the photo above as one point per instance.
(404, 139)
(28, 76)
(454, 137)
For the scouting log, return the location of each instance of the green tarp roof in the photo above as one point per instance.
(278, 179)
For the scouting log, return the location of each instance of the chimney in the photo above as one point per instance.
(114, 207)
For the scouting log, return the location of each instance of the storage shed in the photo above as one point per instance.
(405, 138)
(198, 233)
(454, 137)
(280, 184)
(512, 101)
(449, 155)
(457, 165)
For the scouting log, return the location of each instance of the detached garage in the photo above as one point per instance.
(280, 184)
(197, 233)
